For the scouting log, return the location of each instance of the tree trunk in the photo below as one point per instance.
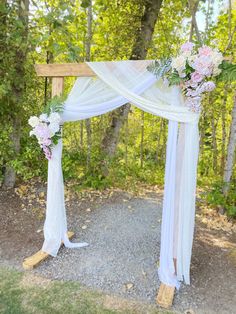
(214, 143)
(230, 151)
(18, 91)
(158, 148)
(193, 6)
(223, 135)
(139, 52)
(87, 58)
(142, 139)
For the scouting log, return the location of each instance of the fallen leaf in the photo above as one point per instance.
(144, 273)
(41, 194)
(129, 285)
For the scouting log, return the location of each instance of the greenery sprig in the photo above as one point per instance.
(55, 104)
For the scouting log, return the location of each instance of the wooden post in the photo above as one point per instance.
(57, 86)
(34, 260)
(165, 296)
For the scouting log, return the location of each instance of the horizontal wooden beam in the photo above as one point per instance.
(62, 70)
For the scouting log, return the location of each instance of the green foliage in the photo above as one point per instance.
(174, 78)
(55, 104)
(160, 68)
(228, 73)
(216, 198)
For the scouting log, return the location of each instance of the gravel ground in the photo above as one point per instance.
(124, 236)
(122, 256)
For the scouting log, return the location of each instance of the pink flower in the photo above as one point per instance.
(205, 51)
(47, 141)
(196, 77)
(186, 47)
(190, 83)
(208, 86)
(194, 104)
(193, 92)
(203, 65)
(47, 152)
(42, 131)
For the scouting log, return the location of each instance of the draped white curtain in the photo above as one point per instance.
(116, 84)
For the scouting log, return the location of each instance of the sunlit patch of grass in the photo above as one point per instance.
(22, 295)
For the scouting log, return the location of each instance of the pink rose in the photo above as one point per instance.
(205, 51)
(186, 47)
(196, 77)
(203, 65)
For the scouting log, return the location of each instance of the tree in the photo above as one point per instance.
(139, 51)
(87, 58)
(230, 151)
(17, 34)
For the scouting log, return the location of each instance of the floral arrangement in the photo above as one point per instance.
(47, 127)
(193, 69)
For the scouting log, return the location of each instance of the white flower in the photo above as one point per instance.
(191, 60)
(216, 71)
(217, 57)
(54, 127)
(40, 140)
(33, 121)
(54, 117)
(31, 133)
(182, 74)
(43, 117)
(187, 54)
(179, 63)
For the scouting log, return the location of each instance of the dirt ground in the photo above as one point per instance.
(213, 269)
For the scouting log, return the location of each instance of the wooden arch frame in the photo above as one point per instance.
(57, 72)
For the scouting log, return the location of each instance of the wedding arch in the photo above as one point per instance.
(100, 88)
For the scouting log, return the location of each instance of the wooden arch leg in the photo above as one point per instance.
(166, 293)
(165, 296)
(37, 258)
(34, 260)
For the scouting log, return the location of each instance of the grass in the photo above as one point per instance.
(24, 293)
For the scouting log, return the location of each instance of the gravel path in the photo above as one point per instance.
(124, 247)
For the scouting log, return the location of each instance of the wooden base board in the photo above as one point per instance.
(34, 260)
(165, 296)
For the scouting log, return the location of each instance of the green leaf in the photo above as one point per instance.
(174, 78)
(228, 72)
(160, 68)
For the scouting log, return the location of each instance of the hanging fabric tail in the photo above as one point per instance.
(166, 270)
(187, 181)
(55, 224)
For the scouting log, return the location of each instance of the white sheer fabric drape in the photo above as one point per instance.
(116, 84)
